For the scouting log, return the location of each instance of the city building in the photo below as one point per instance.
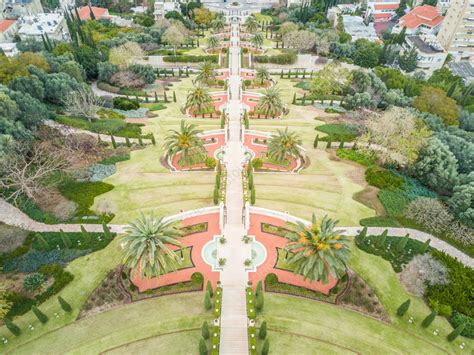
(297, 2)
(8, 29)
(52, 24)
(162, 7)
(16, 8)
(463, 69)
(341, 9)
(356, 27)
(456, 34)
(381, 10)
(422, 19)
(99, 12)
(431, 55)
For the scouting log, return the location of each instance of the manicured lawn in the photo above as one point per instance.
(127, 324)
(143, 184)
(163, 344)
(335, 325)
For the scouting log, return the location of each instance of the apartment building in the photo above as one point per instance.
(422, 19)
(381, 10)
(456, 34)
(53, 25)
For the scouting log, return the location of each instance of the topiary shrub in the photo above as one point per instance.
(266, 347)
(43, 318)
(209, 288)
(262, 334)
(64, 305)
(456, 332)
(429, 319)
(202, 347)
(205, 330)
(403, 308)
(457, 319)
(12, 327)
(207, 301)
(122, 103)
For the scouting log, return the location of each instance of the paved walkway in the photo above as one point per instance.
(234, 277)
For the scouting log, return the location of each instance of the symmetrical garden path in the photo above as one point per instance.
(234, 277)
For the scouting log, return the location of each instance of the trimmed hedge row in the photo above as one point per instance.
(190, 58)
(286, 58)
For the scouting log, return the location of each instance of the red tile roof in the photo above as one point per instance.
(426, 15)
(85, 12)
(5, 24)
(386, 6)
(386, 15)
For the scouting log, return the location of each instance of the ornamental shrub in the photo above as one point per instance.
(429, 212)
(262, 334)
(257, 163)
(259, 301)
(402, 243)
(210, 162)
(122, 103)
(190, 58)
(205, 330)
(33, 282)
(429, 319)
(215, 196)
(43, 318)
(266, 347)
(64, 305)
(12, 327)
(403, 308)
(252, 195)
(207, 301)
(202, 347)
(209, 289)
(457, 319)
(286, 58)
(383, 179)
(456, 332)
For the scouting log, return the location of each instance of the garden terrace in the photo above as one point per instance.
(257, 142)
(195, 242)
(214, 111)
(272, 243)
(212, 142)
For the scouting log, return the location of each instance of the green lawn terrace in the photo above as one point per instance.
(143, 183)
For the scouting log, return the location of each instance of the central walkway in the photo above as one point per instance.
(234, 277)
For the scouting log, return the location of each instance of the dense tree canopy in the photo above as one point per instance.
(435, 101)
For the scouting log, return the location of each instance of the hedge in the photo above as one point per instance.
(336, 132)
(286, 58)
(190, 58)
(458, 318)
(383, 179)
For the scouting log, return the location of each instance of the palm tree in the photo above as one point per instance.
(285, 143)
(147, 246)
(206, 73)
(185, 141)
(262, 74)
(212, 42)
(318, 250)
(251, 24)
(257, 39)
(198, 97)
(270, 103)
(218, 24)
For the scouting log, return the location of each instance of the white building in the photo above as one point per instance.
(431, 55)
(356, 27)
(162, 7)
(53, 25)
(341, 9)
(9, 49)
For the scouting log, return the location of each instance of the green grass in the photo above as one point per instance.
(143, 184)
(336, 132)
(123, 326)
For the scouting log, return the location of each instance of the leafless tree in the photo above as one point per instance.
(25, 169)
(83, 102)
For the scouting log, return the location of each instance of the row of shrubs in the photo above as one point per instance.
(191, 58)
(285, 58)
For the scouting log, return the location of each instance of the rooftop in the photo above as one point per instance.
(85, 12)
(6, 24)
(464, 69)
(422, 15)
(426, 44)
(40, 24)
(355, 26)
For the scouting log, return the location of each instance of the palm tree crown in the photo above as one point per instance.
(262, 74)
(285, 143)
(270, 103)
(184, 141)
(251, 24)
(212, 42)
(198, 97)
(318, 250)
(218, 23)
(206, 73)
(257, 39)
(147, 246)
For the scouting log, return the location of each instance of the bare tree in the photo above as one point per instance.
(83, 102)
(25, 169)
